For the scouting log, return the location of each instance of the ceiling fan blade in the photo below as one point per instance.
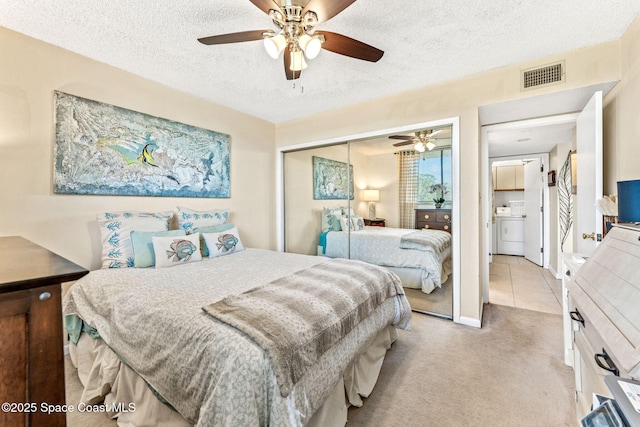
(349, 47)
(403, 137)
(434, 133)
(265, 5)
(291, 75)
(326, 9)
(400, 144)
(243, 36)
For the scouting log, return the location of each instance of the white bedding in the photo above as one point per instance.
(381, 246)
(208, 371)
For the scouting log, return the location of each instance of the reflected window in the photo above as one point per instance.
(434, 176)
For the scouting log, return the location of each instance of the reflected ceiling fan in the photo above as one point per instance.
(422, 141)
(296, 36)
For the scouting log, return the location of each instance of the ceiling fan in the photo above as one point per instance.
(422, 141)
(296, 36)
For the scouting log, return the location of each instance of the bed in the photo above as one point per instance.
(421, 258)
(146, 336)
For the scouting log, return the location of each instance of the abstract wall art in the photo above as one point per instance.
(101, 149)
(331, 180)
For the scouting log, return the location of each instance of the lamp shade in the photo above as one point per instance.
(629, 201)
(371, 195)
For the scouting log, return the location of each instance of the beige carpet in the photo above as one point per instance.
(509, 373)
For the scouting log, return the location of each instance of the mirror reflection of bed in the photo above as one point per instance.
(404, 224)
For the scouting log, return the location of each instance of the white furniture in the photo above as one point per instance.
(571, 262)
(603, 302)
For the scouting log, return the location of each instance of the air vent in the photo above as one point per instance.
(547, 75)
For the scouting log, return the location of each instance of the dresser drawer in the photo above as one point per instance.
(434, 219)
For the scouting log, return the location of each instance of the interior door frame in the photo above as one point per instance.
(486, 211)
(454, 122)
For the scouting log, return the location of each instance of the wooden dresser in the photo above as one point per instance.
(435, 219)
(31, 341)
(604, 305)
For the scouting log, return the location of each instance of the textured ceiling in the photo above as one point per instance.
(425, 42)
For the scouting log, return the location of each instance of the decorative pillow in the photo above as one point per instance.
(358, 222)
(335, 223)
(116, 228)
(327, 218)
(346, 223)
(189, 219)
(210, 229)
(223, 243)
(347, 211)
(143, 255)
(175, 250)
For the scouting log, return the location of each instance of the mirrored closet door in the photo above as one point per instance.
(386, 201)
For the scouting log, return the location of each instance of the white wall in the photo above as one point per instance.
(30, 72)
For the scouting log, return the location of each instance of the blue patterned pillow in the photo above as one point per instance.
(115, 231)
(358, 222)
(327, 218)
(189, 219)
(210, 229)
(223, 243)
(175, 250)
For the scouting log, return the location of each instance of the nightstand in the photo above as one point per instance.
(378, 222)
(31, 353)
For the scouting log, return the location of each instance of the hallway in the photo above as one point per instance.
(516, 282)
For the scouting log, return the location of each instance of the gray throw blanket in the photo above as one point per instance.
(426, 240)
(296, 318)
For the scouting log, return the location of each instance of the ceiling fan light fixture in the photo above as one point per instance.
(275, 44)
(420, 147)
(297, 61)
(430, 145)
(310, 45)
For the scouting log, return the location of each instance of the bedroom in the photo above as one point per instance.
(33, 69)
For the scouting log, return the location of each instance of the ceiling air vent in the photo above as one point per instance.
(533, 78)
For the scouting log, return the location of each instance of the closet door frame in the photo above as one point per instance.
(455, 209)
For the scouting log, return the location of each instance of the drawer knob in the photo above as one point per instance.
(426, 226)
(426, 216)
(446, 227)
(568, 273)
(44, 296)
(446, 217)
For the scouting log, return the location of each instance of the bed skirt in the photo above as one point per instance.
(417, 278)
(105, 378)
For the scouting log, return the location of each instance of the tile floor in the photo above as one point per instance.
(516, 282)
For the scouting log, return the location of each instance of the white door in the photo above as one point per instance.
(587, 219)
(533, 212)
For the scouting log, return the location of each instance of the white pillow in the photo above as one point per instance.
(347, 211)
(358, 222)
(223, 243)
(115, 231)
(189, 219)
(346, 223)
(175, 250)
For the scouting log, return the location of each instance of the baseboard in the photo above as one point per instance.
(557, 275)
(468, 321)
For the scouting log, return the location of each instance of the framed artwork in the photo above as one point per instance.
(331, 180)
(101, 149)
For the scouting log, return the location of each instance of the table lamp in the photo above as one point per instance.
(372, 196)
